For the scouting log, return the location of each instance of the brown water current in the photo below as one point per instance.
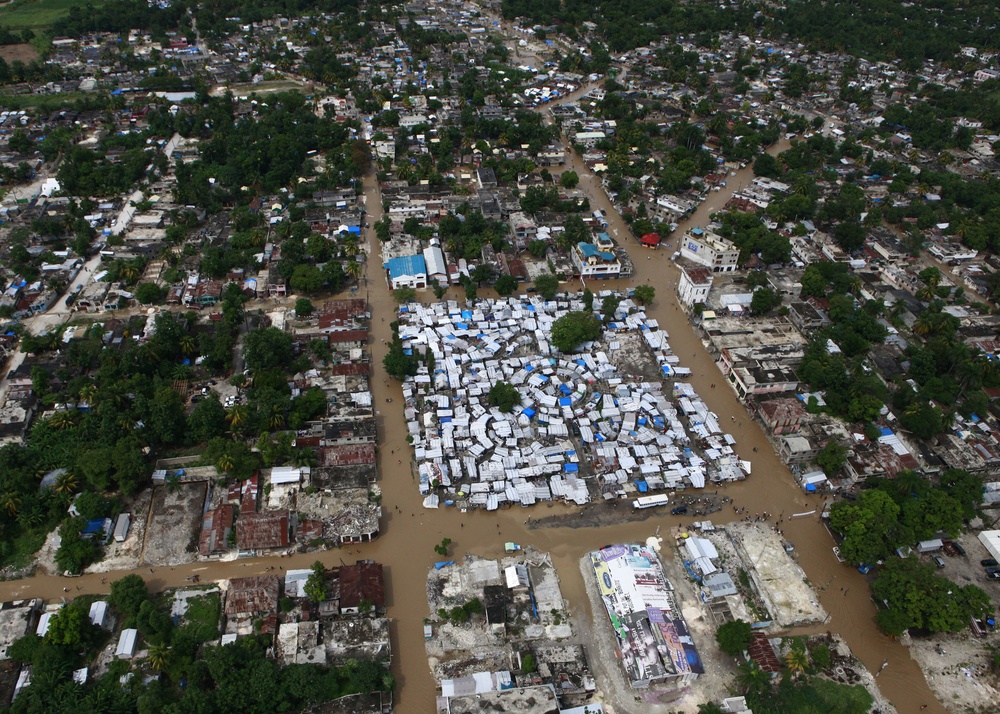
(409, 532)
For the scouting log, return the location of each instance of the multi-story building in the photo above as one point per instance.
(694, 285)
(706, 248)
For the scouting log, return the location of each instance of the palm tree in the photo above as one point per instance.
(797, 661)
(353, 269)
(61, 420)
(130, 272)
(65, 483)
(158, 657)
(187, 344)
(88, 393)
(225, 464)
(10, 502)
(276, 420)
(926, 293)
(752, 679)
(350, 247)
(304, 457)
(181, 372)
(236, 416)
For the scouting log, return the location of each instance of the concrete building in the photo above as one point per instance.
(650, 631)
(408, 271)
(595, 263)
(764, 378)
(694, 285)
(706, 248)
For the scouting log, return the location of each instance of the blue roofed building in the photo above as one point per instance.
(592, 262)
(408, 271)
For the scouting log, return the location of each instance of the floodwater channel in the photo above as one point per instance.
(409, 532)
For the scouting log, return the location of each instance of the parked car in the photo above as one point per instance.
(993, 576)
(938, 561)
(679, 510)
(950, 548)
(989, 563)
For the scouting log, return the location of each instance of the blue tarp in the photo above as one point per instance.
(529, 412)
(642, 486)
(565, 402)
(565, 389)
(94, 526)
(885, 431)
(571, 468)
(466, 314)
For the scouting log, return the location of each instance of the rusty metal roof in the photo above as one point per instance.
(362, 581)
(262, 531)
(348, 455)
(215, 527)
(252, 595)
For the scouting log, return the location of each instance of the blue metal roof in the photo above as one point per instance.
(406, 265)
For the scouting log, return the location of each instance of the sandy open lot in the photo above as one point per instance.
(174, 524)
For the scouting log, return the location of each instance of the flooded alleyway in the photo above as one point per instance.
(409, 533)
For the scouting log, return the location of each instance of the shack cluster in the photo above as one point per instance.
(613, 416)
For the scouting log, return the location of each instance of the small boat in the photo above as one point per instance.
(443, 564)
(511, 547)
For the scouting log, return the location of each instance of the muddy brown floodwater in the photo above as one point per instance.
(409, 532)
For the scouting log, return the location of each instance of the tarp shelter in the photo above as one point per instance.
(126, 643)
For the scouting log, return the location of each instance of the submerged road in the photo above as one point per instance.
(409, 533)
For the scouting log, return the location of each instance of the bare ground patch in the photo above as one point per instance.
(23, 52)
(174, 524)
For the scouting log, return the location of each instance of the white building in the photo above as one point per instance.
(437, 268)
(706, 248)
(694, 285)
(592, 262)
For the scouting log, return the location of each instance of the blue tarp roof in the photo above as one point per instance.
(529, 412)
(565, 401)
(565, 389)
(94, 526)
(571, 468)
(886, 431)
(642, 486)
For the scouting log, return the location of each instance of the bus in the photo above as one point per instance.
(650, 501)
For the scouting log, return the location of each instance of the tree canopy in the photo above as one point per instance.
(574, 328)
(504, 396)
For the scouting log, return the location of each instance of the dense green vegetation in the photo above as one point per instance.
(915, 597)
(885, 29)
(573, 329)
(900, 512)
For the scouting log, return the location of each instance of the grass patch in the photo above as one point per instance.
(36, 13)
(20, 552)
(816, 695)
(44, 102)
(202, 617)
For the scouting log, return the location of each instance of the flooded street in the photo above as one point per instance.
(409, 532)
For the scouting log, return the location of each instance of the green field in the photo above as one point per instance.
(35, 13)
